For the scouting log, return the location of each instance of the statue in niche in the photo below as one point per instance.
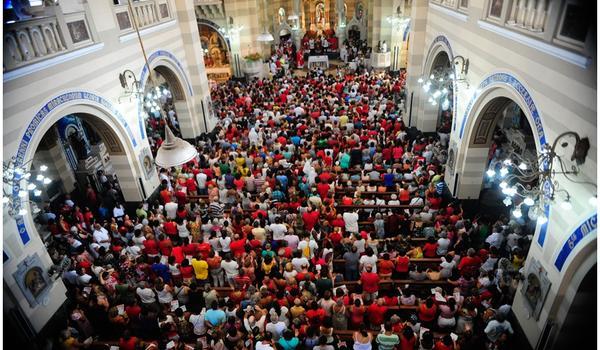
(359, 11)
(320, 15)
(281, 16)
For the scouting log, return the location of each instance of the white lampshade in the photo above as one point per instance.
(293, 17)
(265, 37)
(174, 151)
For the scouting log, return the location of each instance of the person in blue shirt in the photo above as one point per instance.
(161, 270)
(388, 179)
(288, 341)
(215, 316)
(283, 182)
(296, 140)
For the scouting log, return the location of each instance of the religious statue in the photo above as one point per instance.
(281, 15)
(384, 47)
(320, 15)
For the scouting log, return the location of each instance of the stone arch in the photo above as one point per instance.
(360, 25)
(103, 115)
(478, 123)
(172, 70)
(439, 47)
(282, 27)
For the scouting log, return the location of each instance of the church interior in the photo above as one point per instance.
(300, 174)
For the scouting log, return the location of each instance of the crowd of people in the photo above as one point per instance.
(313, 218)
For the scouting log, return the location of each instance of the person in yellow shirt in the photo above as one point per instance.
(200, 269)
(343, 120)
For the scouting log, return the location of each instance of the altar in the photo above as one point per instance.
(381, 60)
(318, 62)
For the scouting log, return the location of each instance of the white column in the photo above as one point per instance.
(540, 16)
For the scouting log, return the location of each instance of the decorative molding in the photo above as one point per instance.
(132, 35)
(452, 13)
(69, 97)
(587, 227)
(507, 80)
(143, 78)
(552, 50)
(41, 65)
(544, 228)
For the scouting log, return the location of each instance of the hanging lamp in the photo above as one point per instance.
(174, 151)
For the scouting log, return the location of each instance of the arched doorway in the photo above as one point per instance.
(579, 326)
(86, 161)
(216, 51)
(438, 97)
(166, 102)
(501, 128)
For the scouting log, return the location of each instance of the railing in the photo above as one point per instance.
(528, 15)
(146, 13)
(32, 40)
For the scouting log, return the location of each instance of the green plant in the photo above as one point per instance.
(253, 57)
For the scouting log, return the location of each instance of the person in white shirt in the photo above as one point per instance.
(443, 244)
(292, 240)
(201, 179)
(298, 261)
(311, 244)
(171, 209)
(496, 238)
(197, 321)
(275, 327)
(351, 221)
(278, 229)
(147, 295)
(224, 242)
(368, 259)
(231, 269)
(101, 236)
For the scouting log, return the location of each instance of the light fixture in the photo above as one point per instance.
(542, 219)
(398, 20)
(18, 182)
(174, 151)
(420, 80)
(535, 180)
(232, 31)
(265, 36)
(490, 173)
(47, 181)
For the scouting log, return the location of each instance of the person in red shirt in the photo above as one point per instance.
(385, 267)
(189, 249)
(203, 248)
(402, 264)
(128, 342)
(323, 189)
(181, 196)
(469, 264)
(376, 313)
(407, 339)
(237, 246)
(165, 245)
(151, 246)
(187, 271)
(310, 218)
(370, 282)
(430, 248)
(190, 183)
(427, 313)
(315, 315)
(445, 343)
(165, 194)
(177, 252)
(170, 228)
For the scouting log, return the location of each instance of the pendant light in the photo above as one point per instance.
(174, 151)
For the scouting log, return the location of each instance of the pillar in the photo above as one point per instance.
(186, 19)
(416, 57)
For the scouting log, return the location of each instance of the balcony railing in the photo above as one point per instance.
(146, 13)
(32, 40)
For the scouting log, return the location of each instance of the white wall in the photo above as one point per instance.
(96, 69)
(565, 97)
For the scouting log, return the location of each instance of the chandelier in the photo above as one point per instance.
(530, 185)
(398, 20)
(440, 82)
(20, 184)
(174, 151)
(231, 32)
